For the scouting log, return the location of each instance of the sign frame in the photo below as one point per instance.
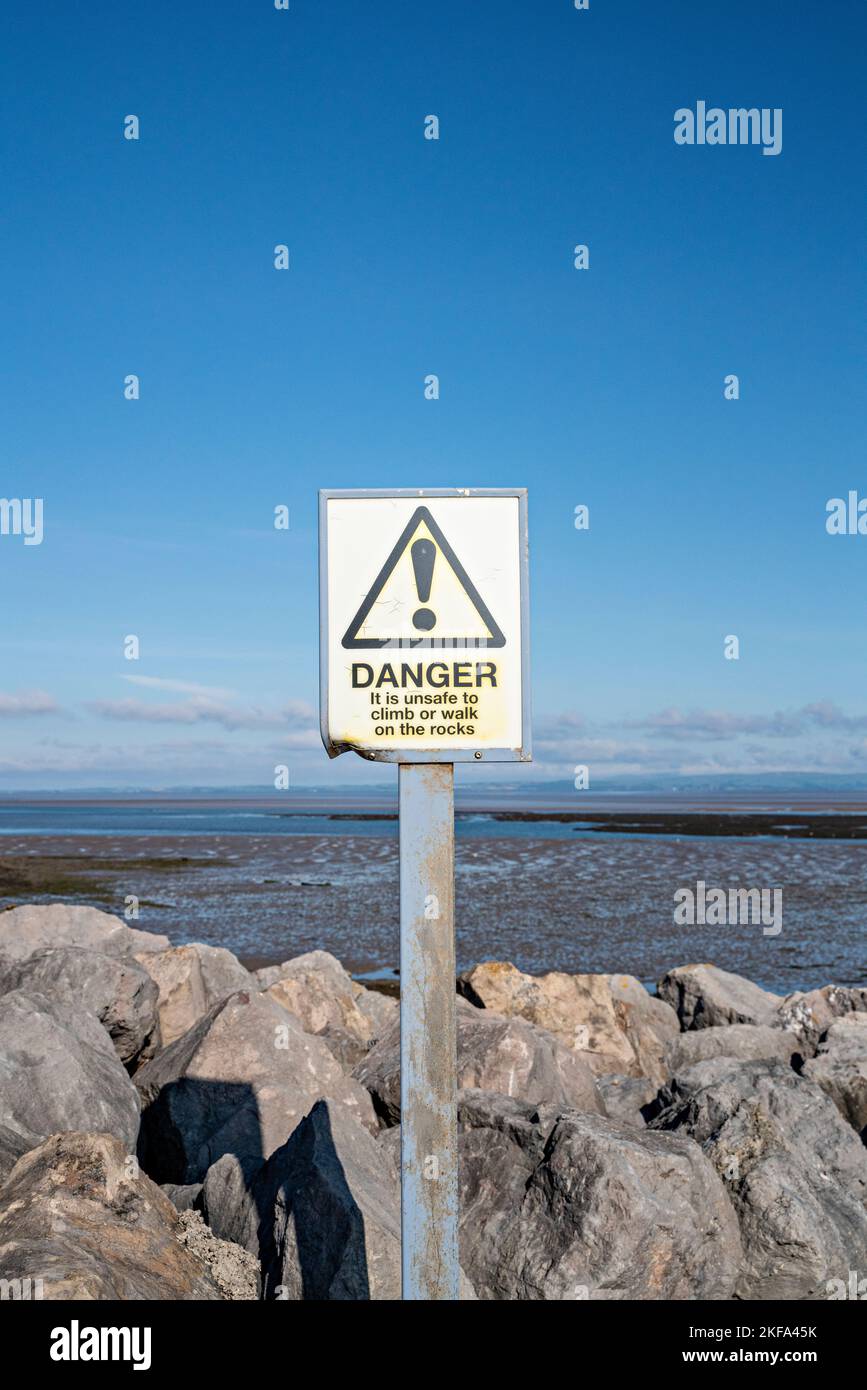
(451, 754)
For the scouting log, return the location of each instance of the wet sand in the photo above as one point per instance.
(584, 904)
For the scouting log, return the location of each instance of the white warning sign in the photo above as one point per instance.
(424, 624)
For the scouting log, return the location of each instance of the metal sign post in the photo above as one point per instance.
(424, 662)
(428, 1097)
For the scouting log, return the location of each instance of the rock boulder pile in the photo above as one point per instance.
(173, 1125)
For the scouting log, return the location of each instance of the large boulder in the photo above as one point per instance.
(184, 1196)
(191, 980)
(572, 1206)
(329, 1003)
(809, 1015)
(176, 975)
(704, 996)
(77, 1215)
(795, 1172)
(226, 1200)
(379, 1008)
(238, 1082)
(624, 1097)
(745, 1042)
(115, 989)
(611, 1020)
(493, 1054)
(323, 1215)
(222, 972)
(333, 1224)
(840, 1068)
(39, 927)
(59, 1071)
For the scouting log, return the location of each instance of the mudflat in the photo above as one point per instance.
(579, 902)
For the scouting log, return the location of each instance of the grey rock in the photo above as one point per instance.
(59, 1071)
(177, 976)
(75, 1215)
(609, 1020)
(380, 1009)
(233, 1270)
(191, 980)
(624, 1097)
(266, 975)
(389, 1141)
(38, 927)
(810, 1015)
(840, 1068)
(329, 978)
(332, 1229)
(227, 1201)
(745, 1042)
(579, 1206)
(238, 1082)
(183, 1196)
(329, 1003)
(13, 1144)
(345, 1047)
(222, 973)
(493, 1054)
(115, 989)
(704, 996)
(323, 1214)
(795, 1172)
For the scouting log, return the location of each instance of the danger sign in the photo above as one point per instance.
(424, 624)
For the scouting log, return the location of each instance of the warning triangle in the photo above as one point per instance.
(423, 597)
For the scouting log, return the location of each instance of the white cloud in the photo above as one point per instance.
(26, 703)
(703, 741)
(719, 724)
(826, 715)
(213, 692)
(216, 760)
(293, 716)
(815, 737)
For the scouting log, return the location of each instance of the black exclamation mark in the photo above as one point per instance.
(423, 555)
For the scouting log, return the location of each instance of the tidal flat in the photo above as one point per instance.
(546, 900)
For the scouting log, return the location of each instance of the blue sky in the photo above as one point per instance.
(408, 257)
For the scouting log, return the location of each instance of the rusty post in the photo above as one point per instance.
(428, 1093)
